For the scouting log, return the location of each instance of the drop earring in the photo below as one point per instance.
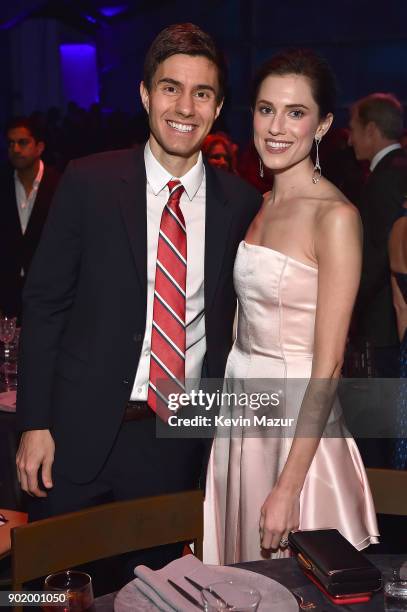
(261, 168)
(316, 175)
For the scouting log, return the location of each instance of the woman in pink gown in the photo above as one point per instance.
(296, 276)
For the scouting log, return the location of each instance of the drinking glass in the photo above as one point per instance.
(7, 333)
(395, 596)
(78, 588)
(230, 595)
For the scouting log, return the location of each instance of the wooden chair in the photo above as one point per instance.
(389, 490)
(14, 519)
(64, 541)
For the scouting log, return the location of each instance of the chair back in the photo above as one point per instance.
(64, 541)
(389, 490)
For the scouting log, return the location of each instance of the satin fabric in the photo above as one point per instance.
(276, 316)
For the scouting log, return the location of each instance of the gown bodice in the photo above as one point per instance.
(277, 297)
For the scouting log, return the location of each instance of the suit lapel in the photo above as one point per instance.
(133, 204)
(217, 224)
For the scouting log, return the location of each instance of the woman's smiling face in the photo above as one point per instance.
(286, 120)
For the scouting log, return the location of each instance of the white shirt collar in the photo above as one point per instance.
(380, 154)
(37, 179)
(158, 177)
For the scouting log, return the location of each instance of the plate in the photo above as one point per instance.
(274, 596)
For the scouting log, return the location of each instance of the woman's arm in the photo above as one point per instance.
(398, 263)
(338, 246)
(400, 307)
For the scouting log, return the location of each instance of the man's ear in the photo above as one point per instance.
(371, 129)
(145, 97)
(41, 147)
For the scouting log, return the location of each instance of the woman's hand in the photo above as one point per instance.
(279, 515)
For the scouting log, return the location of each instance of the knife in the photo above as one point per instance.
(185, 594)
(199, 587)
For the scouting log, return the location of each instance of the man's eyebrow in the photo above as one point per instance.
(170, 81)
(286, 106)
(179, 84)
(206, 86)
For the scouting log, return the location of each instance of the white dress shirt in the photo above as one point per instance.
(26, 204)
(380, 154)
(193, 208)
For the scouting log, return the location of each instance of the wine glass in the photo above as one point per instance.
(7, 333)
(395, 595)
(76, 586)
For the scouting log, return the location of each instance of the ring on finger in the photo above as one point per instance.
(284, 542)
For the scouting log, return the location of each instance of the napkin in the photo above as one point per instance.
(8, 401)
(154, 584)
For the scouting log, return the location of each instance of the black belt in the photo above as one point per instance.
(137, 411)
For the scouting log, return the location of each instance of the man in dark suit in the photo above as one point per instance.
(375, 129)
(26, 190)
(107, 305)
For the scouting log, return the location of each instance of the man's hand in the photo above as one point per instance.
(36, 450)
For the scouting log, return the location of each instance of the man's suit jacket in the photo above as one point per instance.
(85, 301)
(17, 249)
(383, 197)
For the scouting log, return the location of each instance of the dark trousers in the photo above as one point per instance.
(377, 452)
(386, 361)
(138, 465)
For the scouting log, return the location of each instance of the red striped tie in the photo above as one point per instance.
(167, 360)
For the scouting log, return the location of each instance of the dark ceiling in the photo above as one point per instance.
(277, 20)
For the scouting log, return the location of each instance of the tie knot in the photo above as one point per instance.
(175, 187)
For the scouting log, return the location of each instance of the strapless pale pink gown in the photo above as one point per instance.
(276, 316)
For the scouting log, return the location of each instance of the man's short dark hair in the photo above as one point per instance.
(30, 124)
(385, 111)
(184, 38)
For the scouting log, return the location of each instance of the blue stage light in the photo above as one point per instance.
(79, 73)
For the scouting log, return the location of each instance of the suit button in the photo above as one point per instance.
(138, 337)
(125, 381)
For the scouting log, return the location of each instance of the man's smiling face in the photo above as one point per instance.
(182, 105)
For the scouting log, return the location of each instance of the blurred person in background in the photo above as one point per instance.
(27, 186)
(220, 151)
(376, 125)
(398, 266)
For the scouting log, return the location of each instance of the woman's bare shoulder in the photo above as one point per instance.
(332, 204)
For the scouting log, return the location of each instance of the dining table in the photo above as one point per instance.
(288, 573)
